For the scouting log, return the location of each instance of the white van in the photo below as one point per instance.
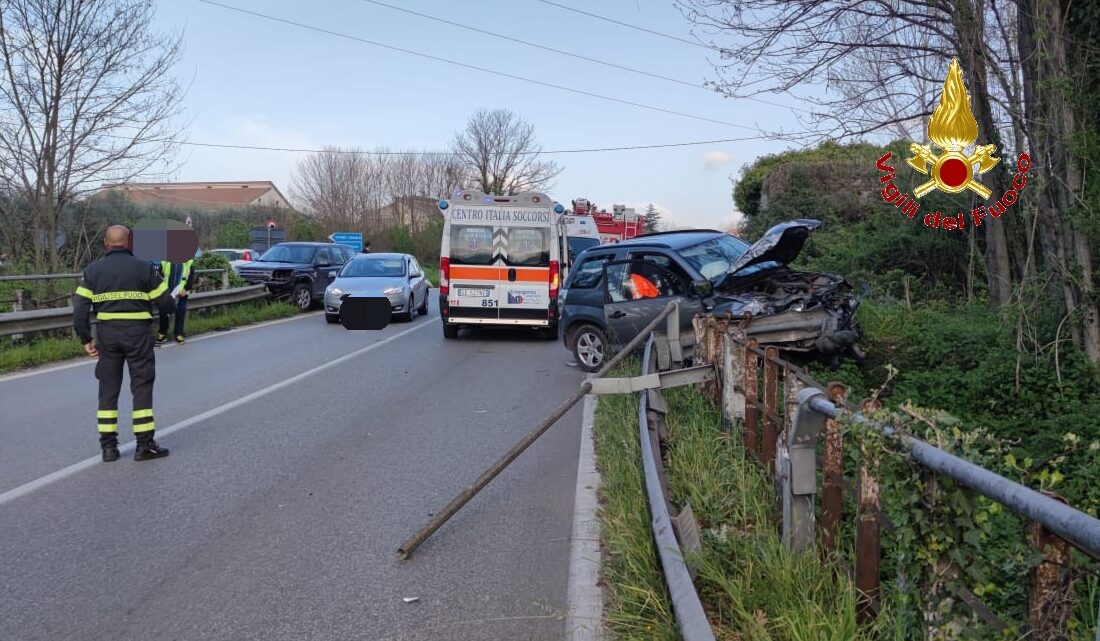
(500, 263)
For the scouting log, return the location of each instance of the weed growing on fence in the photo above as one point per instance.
(949, 540)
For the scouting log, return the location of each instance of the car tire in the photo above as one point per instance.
(332, 318)
(410, 314)
(302, 297)
(589, 347)
(450, 331)
(423, 309)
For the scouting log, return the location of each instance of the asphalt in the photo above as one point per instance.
(279, 518)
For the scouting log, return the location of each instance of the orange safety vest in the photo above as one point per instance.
(643, 287)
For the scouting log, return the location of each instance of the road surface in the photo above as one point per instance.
(293, 478)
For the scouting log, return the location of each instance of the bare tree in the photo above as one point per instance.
(352, 188)
(87, 96)
(500, 154)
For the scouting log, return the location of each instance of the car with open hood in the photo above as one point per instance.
(614, 291)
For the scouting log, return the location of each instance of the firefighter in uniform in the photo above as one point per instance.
(122, 291)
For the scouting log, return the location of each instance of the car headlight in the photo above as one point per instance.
(335, 291)
(391, 290)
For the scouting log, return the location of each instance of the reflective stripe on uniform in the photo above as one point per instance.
(107, 428)
(106, 414)
(160, 289)
(124, 316)
(99, 298)
(107, 420)
(85, 292)
(143, 420)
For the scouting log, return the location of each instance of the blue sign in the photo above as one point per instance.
(352, 239)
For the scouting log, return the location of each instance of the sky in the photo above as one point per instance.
(252, 81)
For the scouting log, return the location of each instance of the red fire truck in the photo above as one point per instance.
(618, 224)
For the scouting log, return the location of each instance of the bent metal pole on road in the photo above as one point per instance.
(407, 548)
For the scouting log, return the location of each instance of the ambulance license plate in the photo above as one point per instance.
(474, 293)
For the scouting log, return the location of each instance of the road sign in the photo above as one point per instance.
(188, 221)
(349, 238)
(271, 224)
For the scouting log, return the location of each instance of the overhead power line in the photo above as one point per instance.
(358, 152)
(630, 26)
(580, 92)
(578, 56)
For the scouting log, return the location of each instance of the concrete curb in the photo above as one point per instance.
(584, 611)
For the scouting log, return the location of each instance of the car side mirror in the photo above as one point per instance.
(702, 288)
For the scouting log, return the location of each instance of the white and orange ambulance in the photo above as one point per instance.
(500, 262)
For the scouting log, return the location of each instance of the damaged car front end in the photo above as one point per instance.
(794, 310)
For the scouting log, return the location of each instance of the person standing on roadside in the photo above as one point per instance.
(179, 279)
(122, 292)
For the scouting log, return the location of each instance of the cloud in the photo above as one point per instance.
(715, 159)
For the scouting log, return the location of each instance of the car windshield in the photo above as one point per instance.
(374, 268)
(713, 258)
(289, 254)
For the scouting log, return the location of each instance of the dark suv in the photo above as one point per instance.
(298, 271)
(614, 291)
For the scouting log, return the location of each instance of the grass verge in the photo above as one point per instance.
(751, 586)
(50, 350)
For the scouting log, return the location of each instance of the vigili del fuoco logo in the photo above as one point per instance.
(953, 129)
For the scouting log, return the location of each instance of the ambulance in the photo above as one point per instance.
(501, 262)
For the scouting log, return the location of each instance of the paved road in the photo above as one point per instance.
(278, 516)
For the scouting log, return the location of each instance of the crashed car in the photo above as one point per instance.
(615, 290)
(298, 271)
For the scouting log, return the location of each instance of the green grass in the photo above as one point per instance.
(431, 272)
(751, 586)
(50, 350)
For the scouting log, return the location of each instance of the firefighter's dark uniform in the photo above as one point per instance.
(123, 291)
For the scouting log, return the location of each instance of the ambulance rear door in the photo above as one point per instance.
(476, 276)
(525, 281)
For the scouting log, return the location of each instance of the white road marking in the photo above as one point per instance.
(66, 472)
(83, 360)
(584, 601)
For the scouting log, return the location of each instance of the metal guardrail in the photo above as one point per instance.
(41, 320)
(691, 619)
(22, 277)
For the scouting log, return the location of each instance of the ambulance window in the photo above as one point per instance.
(528, 247)
(471, 245)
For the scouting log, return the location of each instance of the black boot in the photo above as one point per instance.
(147, 449)
(108, 442)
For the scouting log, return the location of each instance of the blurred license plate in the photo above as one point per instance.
(474, 293)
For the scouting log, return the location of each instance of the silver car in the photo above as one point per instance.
(395, 276)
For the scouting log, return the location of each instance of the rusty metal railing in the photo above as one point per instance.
(787, 446)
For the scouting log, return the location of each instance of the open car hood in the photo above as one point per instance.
(781, 244)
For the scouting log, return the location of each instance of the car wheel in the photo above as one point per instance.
(332, 318)
(302, 297)
(450, 331)
(410, 312)
(589, 347)
(423, 309)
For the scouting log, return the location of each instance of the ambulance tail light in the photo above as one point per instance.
(555, 278)
(444, 275)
